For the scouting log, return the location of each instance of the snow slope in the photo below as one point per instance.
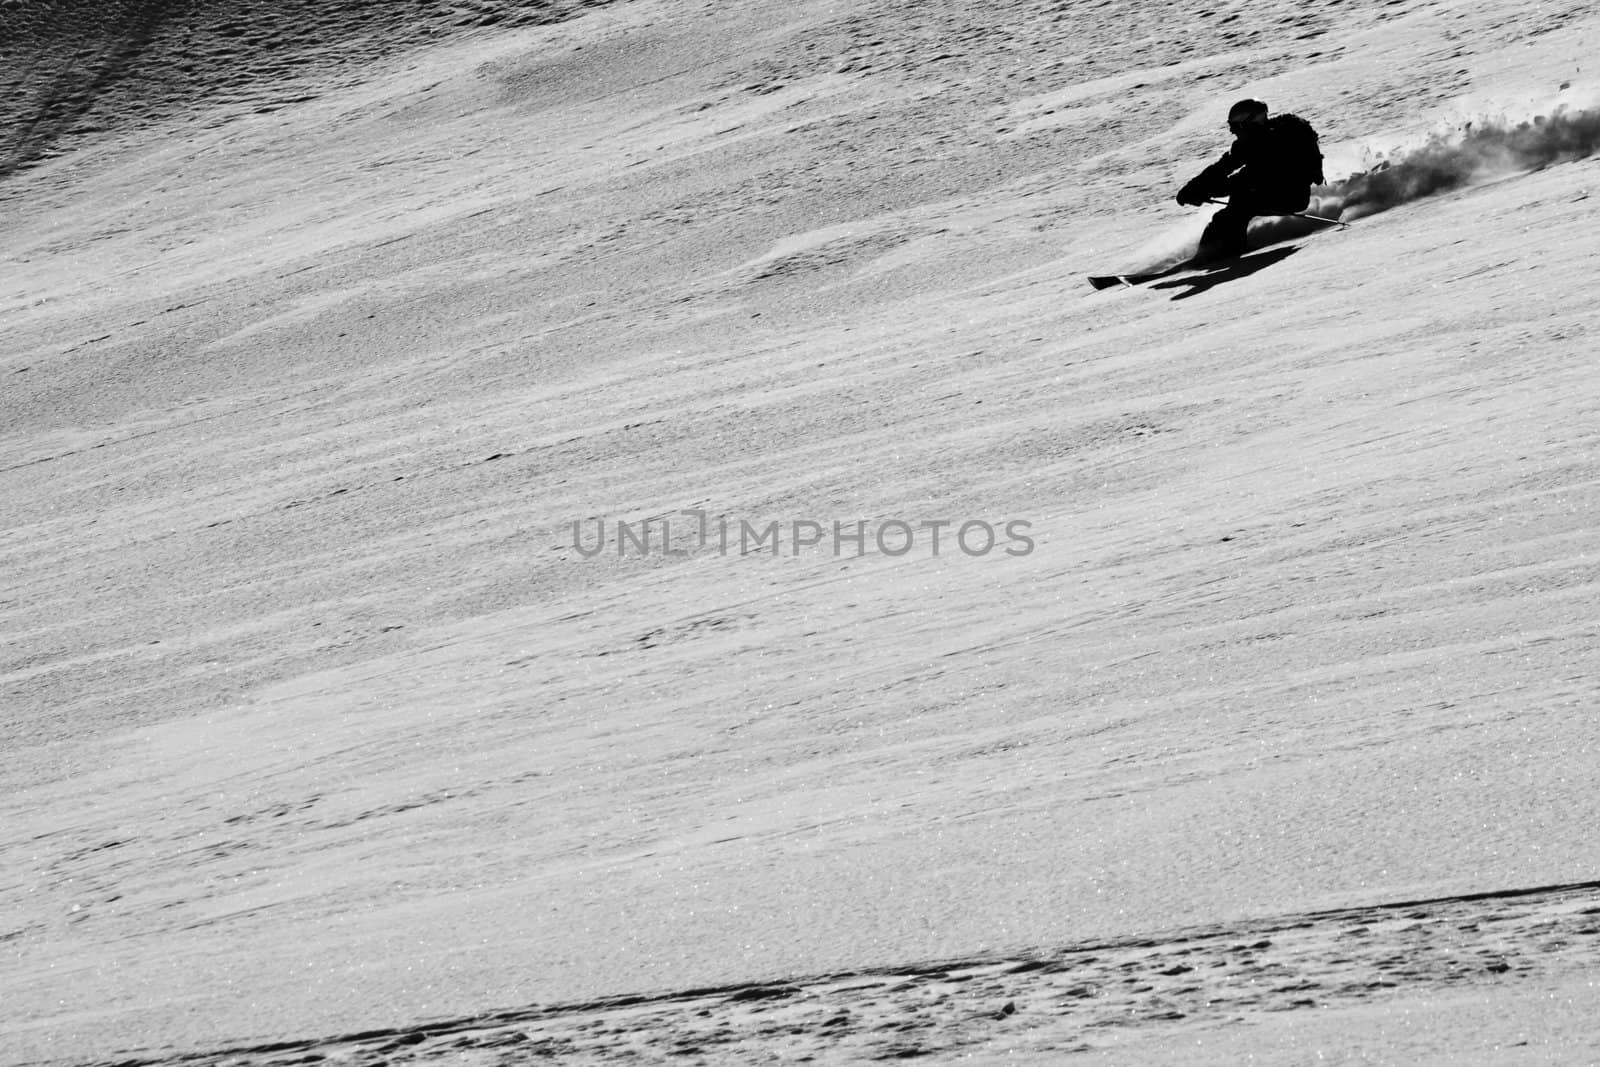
(322, 720)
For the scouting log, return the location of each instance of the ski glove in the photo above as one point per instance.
(1191, 196)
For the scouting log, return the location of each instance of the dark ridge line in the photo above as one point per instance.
(776, 988)
(133, 72)
(1462, 898)
(116, 57)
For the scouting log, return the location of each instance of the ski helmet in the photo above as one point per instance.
(1247, 109)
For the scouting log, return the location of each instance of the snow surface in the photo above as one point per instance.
(318, 719)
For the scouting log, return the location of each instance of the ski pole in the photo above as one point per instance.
(1296, 214)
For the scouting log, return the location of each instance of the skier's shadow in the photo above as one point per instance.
(1232, 272)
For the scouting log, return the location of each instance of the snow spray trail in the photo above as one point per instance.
(1477, 151)
(1473, 151)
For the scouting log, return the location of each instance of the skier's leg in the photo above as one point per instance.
(1291, 201)
(1224, 234)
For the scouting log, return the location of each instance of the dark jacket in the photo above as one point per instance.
(1284, 159)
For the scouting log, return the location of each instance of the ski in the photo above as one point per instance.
(1106, 281)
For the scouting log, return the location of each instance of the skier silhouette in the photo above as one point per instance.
(1270, 170)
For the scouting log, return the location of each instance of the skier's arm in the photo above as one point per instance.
(1213, 181)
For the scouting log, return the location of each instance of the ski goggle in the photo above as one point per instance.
(1244, 122)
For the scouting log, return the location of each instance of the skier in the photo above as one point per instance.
(1269, 171)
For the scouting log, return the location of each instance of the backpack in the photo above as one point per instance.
(1298, 142)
